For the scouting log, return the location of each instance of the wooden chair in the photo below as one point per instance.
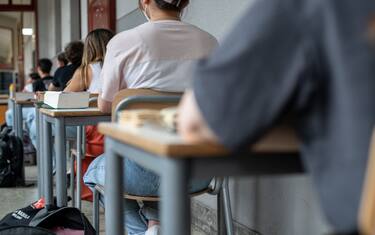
(366, 218)
(149, 99)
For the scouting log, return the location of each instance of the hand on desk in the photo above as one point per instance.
(191, 124)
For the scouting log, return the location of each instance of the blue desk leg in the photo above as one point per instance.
(114, 219)
(38, 153)
(47, 177)
(61, 185)
(175, 204)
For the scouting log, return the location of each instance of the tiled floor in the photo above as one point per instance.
(14, 198)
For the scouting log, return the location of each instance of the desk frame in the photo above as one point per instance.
(60, 145)
(175, 174)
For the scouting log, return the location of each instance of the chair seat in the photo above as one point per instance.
(100, 189)
(74, 153)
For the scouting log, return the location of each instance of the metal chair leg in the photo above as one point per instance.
(220, 217)
(227, 207)
(95, 215)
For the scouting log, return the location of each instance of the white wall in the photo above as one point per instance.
(215, 17)
(281, 205)
(70, 21)
(48, 32)
(84, 19)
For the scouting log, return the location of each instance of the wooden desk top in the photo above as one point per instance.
(25, 102)
(73, 112)
(4, 96)
(23, 98)
(3, 101)
(161, 142)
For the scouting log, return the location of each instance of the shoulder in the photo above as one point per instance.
(125, 40)
(204, 35)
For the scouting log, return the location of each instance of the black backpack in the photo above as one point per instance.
(30, 219)
(11, 159)
(25, 230)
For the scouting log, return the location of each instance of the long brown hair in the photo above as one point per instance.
(94, 51)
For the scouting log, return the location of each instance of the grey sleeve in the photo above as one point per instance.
(247, 82)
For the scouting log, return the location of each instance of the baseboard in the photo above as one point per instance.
(204, 219)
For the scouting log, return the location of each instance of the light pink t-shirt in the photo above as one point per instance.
(156, 55)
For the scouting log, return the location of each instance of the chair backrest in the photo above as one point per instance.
(143, 99)
(366, 218)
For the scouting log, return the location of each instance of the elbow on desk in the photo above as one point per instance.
(104, 106)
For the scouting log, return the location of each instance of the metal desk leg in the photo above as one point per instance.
(19, 129)
(175, 204)
(47, 176)
(79, 166)
(72, 180)
(19, 125)
(38, 155)
(42, 161)
(14, 115)
(114, 218)
(61, 186)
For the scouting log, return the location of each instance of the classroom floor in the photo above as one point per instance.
(15, 198)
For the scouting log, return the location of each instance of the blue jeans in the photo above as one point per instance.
(138, 181)
(71, 133)
(25, 114)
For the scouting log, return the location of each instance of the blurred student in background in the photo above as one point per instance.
(29, 83)
(73, 53)
(44, 69)
(61, 60)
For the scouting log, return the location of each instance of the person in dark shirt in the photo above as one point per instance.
(73, 53)
(314, 59)
(61, 60)
(44, 69)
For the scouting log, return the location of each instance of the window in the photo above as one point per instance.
(17, 5)
(21, 2)
(6, 48)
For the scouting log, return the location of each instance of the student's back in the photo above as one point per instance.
(156, 55)
(63, 75)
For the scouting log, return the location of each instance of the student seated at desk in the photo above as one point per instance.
(61, 60)
(314, 59)
(156, 55)
(73, 52)
(44, 67)
(29, 83)
(44, 70)
(87, 78)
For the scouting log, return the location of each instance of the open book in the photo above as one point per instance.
(67, 100)
(166, 117)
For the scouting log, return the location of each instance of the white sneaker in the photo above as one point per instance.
(154, 230)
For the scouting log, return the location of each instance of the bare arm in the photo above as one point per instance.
(76, 84)
(104, 106)
(191, 124)
(52, 88)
